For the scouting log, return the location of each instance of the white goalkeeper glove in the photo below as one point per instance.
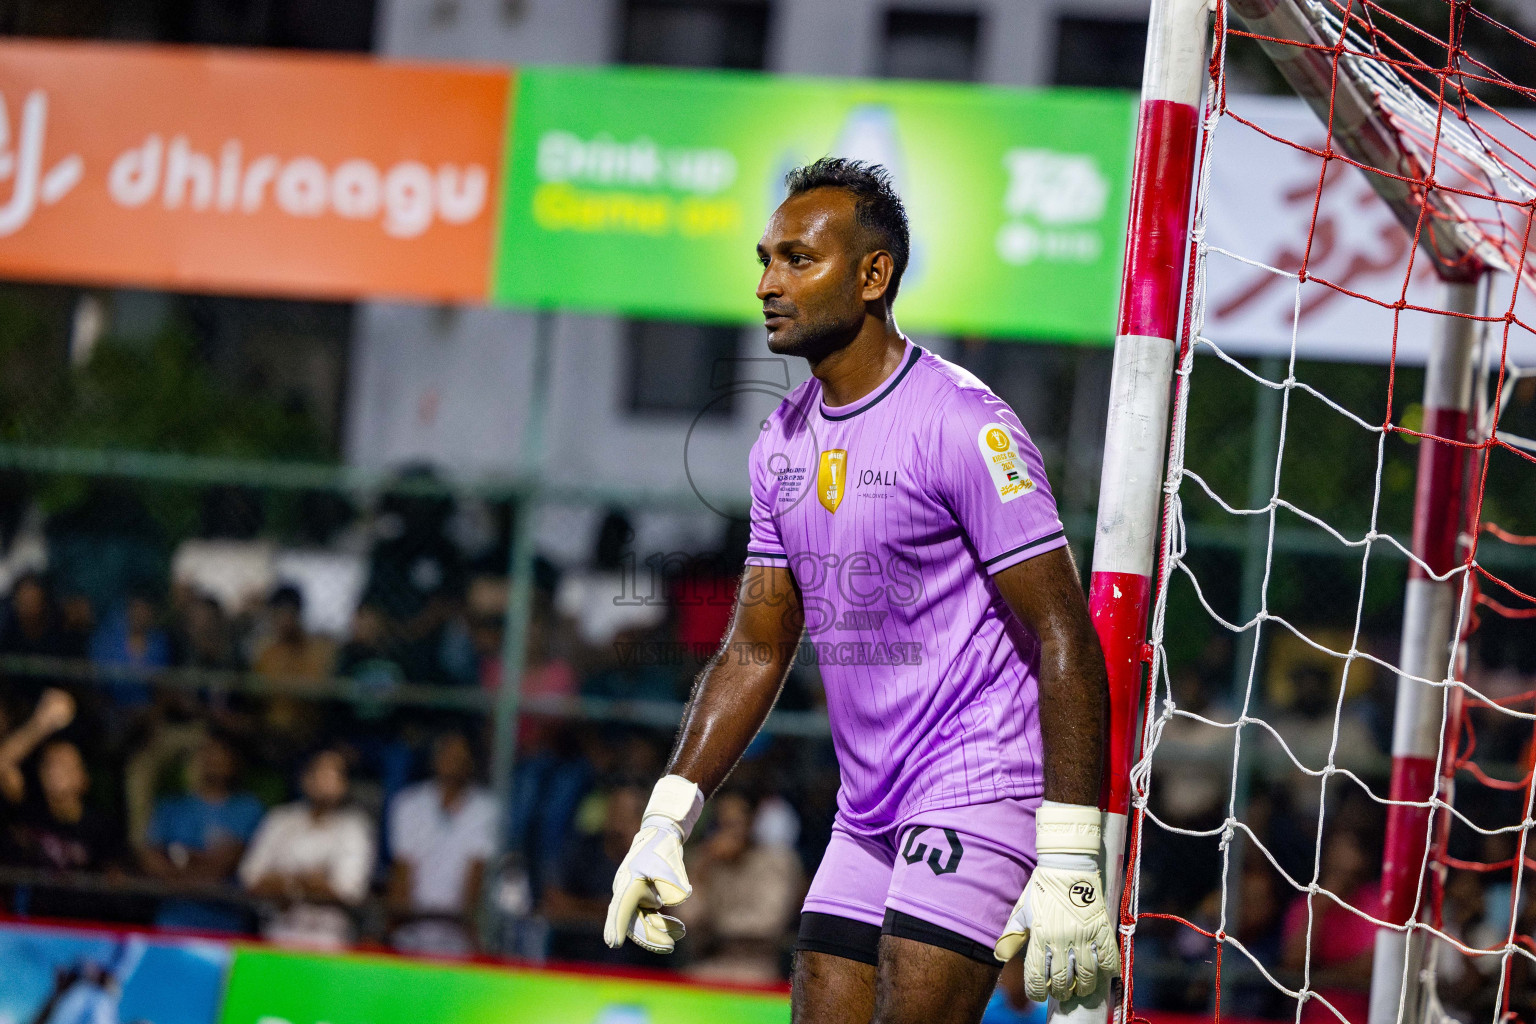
(1063, 916)
(652, 876)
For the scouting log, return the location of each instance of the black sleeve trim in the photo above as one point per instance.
(1025, 547)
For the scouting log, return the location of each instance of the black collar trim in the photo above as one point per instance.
(895, 380)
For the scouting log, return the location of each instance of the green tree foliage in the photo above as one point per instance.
(146, 395)
(150, 395)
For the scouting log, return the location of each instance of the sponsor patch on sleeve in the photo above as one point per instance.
(1001, 455)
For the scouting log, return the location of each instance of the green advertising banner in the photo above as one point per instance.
(271, 987)
(644, 191)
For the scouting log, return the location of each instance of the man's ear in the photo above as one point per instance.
(875, 273)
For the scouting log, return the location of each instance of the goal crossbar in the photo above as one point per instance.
(1380, 123)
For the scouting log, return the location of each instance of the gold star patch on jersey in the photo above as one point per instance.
(1001, 455)
(832, 478)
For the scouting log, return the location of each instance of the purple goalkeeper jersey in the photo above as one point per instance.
(892, 513)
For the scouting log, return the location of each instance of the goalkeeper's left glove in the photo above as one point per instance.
(652, 876)
(1063, 915)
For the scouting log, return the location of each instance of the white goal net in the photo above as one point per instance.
(1332, 796)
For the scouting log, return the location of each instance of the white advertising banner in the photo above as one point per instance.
(1261, 205)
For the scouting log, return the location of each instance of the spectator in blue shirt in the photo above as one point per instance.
(130, 638)
(198, 839)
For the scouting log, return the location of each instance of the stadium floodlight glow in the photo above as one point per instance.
(1437, 152)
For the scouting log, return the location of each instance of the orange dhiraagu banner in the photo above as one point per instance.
(258, 173)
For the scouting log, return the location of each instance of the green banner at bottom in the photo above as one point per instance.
(270, 987)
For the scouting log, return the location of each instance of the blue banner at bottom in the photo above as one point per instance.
(63, 976)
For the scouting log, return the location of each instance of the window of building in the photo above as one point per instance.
(931, 44)
(674, 368)
(301, 24)
(1101, 52)
(695, 33)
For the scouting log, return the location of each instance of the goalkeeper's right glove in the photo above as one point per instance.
(1063, 916)
(652, 875)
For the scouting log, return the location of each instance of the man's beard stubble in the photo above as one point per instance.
(813, 339)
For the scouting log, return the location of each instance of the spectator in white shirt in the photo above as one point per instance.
(441, 833)
(312, 859)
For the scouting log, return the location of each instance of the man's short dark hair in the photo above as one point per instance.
(876, 205)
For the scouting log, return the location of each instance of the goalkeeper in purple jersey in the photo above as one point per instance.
(903, 528)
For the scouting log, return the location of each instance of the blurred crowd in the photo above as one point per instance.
(1295, 824)
(335, 866)
(231, 735)
(212, 739)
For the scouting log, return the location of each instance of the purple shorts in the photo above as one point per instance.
(960, 869)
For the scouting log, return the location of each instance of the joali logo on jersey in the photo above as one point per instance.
(1009, 474)
(877, 478)
(832, 478)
